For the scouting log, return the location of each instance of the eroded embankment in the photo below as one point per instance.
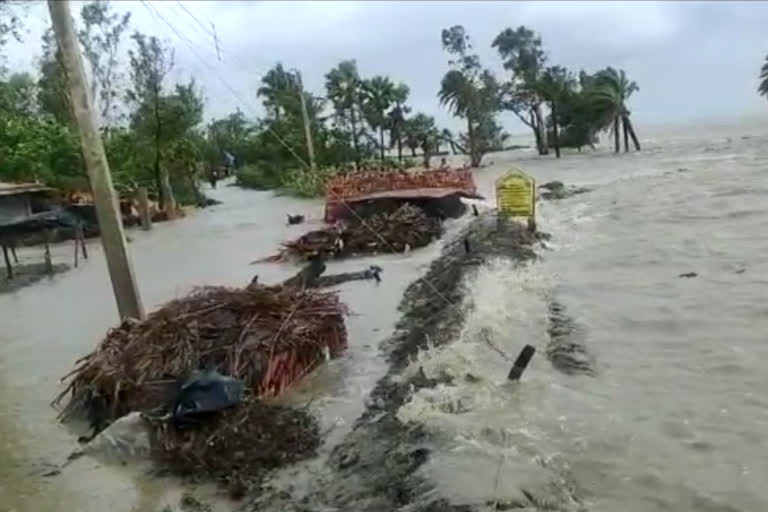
(375, 467)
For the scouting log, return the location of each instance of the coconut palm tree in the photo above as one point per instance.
(396, 118)
(378, 95)
(468, 90)
(763, 87)
(554, 86)
(345, 91)
(276, 85)
(610, 93)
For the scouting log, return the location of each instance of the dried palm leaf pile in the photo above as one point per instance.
(408, 226)
(267, 337)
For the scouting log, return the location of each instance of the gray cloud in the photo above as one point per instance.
(691, 59)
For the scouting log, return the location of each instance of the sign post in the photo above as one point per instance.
(516, 197)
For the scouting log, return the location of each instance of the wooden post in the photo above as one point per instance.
(110, 222)
(81, 237)
(47, 254)
(146, 218)
(8, 266)
(305, 117)
(77, 247)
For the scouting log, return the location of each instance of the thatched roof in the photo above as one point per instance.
(12, 189)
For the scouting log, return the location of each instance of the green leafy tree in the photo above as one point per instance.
(150, 62)
(611, 89)
(100, 39)
(763, 87)
(523, 55)
(18, 95)
(52, 85)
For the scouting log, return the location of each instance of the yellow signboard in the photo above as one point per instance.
(516, 195)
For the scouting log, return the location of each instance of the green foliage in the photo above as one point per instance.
(252, 176)
(38, 149)
(471, 92)
(100, 39)
(302, 182)
(763, 87)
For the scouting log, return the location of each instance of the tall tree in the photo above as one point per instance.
(52, 88)
(151, 61)
(468, 90)
(610, 93)
(763, 87)
(555, 85)
(279, 87)
(345, 90)
(523, 55)
(100, 39)
(396, 118)
(378, 93)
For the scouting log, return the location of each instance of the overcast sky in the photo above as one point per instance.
(692, 60)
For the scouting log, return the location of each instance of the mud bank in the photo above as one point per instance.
(375, 467)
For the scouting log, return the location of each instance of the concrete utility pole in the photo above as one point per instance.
(107, 212)
(305, 116)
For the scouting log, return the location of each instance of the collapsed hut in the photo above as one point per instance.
(408, 227)
(266, 337)
(436, 192)
(378, 212)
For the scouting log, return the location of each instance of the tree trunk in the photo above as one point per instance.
(631, 131)
(474, 157)
(161, 199)
(626, 134)
(353, 122)
(616, 143)
(399, 148)
(544, 149)
(413, 151)
(556, 135)
(381, 141)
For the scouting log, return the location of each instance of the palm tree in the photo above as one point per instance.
(763, 87)
(379, 92)
(344, 90)
(277, 84)
(554, 86)
(396, 118)
(457, 92)
(610, 93)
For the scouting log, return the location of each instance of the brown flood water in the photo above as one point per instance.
(675, 418)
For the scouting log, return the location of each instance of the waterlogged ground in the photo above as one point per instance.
(672, 419)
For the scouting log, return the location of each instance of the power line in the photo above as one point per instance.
(205, 31)
(199, 23)
(157, 15)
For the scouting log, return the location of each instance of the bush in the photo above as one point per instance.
(306, 183)
(256, 178)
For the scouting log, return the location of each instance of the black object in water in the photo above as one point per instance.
(521, 362)
(206, 392)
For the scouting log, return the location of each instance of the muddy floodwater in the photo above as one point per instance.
(674, 416)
